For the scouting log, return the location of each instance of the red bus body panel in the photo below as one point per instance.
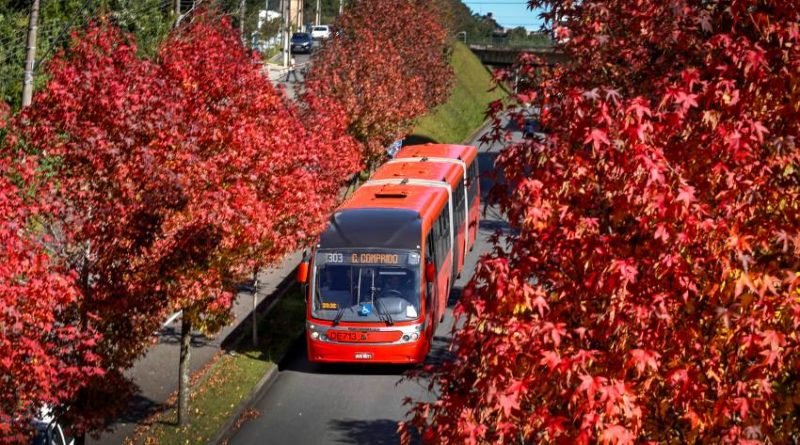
(352, 342)
(429, 202)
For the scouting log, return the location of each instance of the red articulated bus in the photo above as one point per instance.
(378, 279)
(464, 155)
(380, 276)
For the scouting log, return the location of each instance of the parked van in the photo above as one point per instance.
(321, 32)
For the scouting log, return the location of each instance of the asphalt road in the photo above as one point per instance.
(309, 404)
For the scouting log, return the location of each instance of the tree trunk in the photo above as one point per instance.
(255, 307)
(183, 371)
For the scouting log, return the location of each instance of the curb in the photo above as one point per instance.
(486, 124)
(229, 427)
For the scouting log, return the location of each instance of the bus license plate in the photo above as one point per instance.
(363, 356)
(348, 336)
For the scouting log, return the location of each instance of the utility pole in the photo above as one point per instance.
(299, 20)
(255, 306)
(316, 22)
(177, 12)
(30, 57)
(242, 5)
(286, 18)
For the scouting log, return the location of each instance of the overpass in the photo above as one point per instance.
(503, 55)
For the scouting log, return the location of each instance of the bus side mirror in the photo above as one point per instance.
(430, 272)
(302, 273)
(302, 269)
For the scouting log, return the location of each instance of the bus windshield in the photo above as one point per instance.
(361, 286)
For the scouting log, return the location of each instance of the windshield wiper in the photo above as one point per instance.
(382, 313)
(379, 308)
(339, 316)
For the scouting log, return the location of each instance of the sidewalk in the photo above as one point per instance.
(277, 74)
(157, 372)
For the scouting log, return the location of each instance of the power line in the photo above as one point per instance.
(153, 6)
(61, 33)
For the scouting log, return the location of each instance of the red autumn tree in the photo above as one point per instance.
(45, 353)
(264, 184)
(177, 178)
(386, 66)
(649, 292)
(100, 124)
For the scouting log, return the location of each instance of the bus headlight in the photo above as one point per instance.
(411, 337)
(314, 335)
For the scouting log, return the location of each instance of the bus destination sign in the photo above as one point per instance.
(377, 258)
(374, 258)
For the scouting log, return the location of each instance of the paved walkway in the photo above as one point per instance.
(277, 74)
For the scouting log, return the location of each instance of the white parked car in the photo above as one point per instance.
(320, 32)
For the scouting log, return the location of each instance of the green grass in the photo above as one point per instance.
(456, 120)
(230, 379)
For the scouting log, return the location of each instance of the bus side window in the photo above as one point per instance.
(459, 203)
(446, 230)
(435, 238)
(440, 235)
(474, 179)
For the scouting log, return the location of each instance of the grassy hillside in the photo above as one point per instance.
(463, 113)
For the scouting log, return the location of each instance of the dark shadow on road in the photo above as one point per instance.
(488, 174)
(455, 294)
(296, 359)
(440, 351)
(511, 125)
(368, 432)
(139, 409)
(170, 335)
(490, 226)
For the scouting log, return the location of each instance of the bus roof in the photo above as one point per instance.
(466, 153)
(384, 216)
(422, 200)
(434, 171)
